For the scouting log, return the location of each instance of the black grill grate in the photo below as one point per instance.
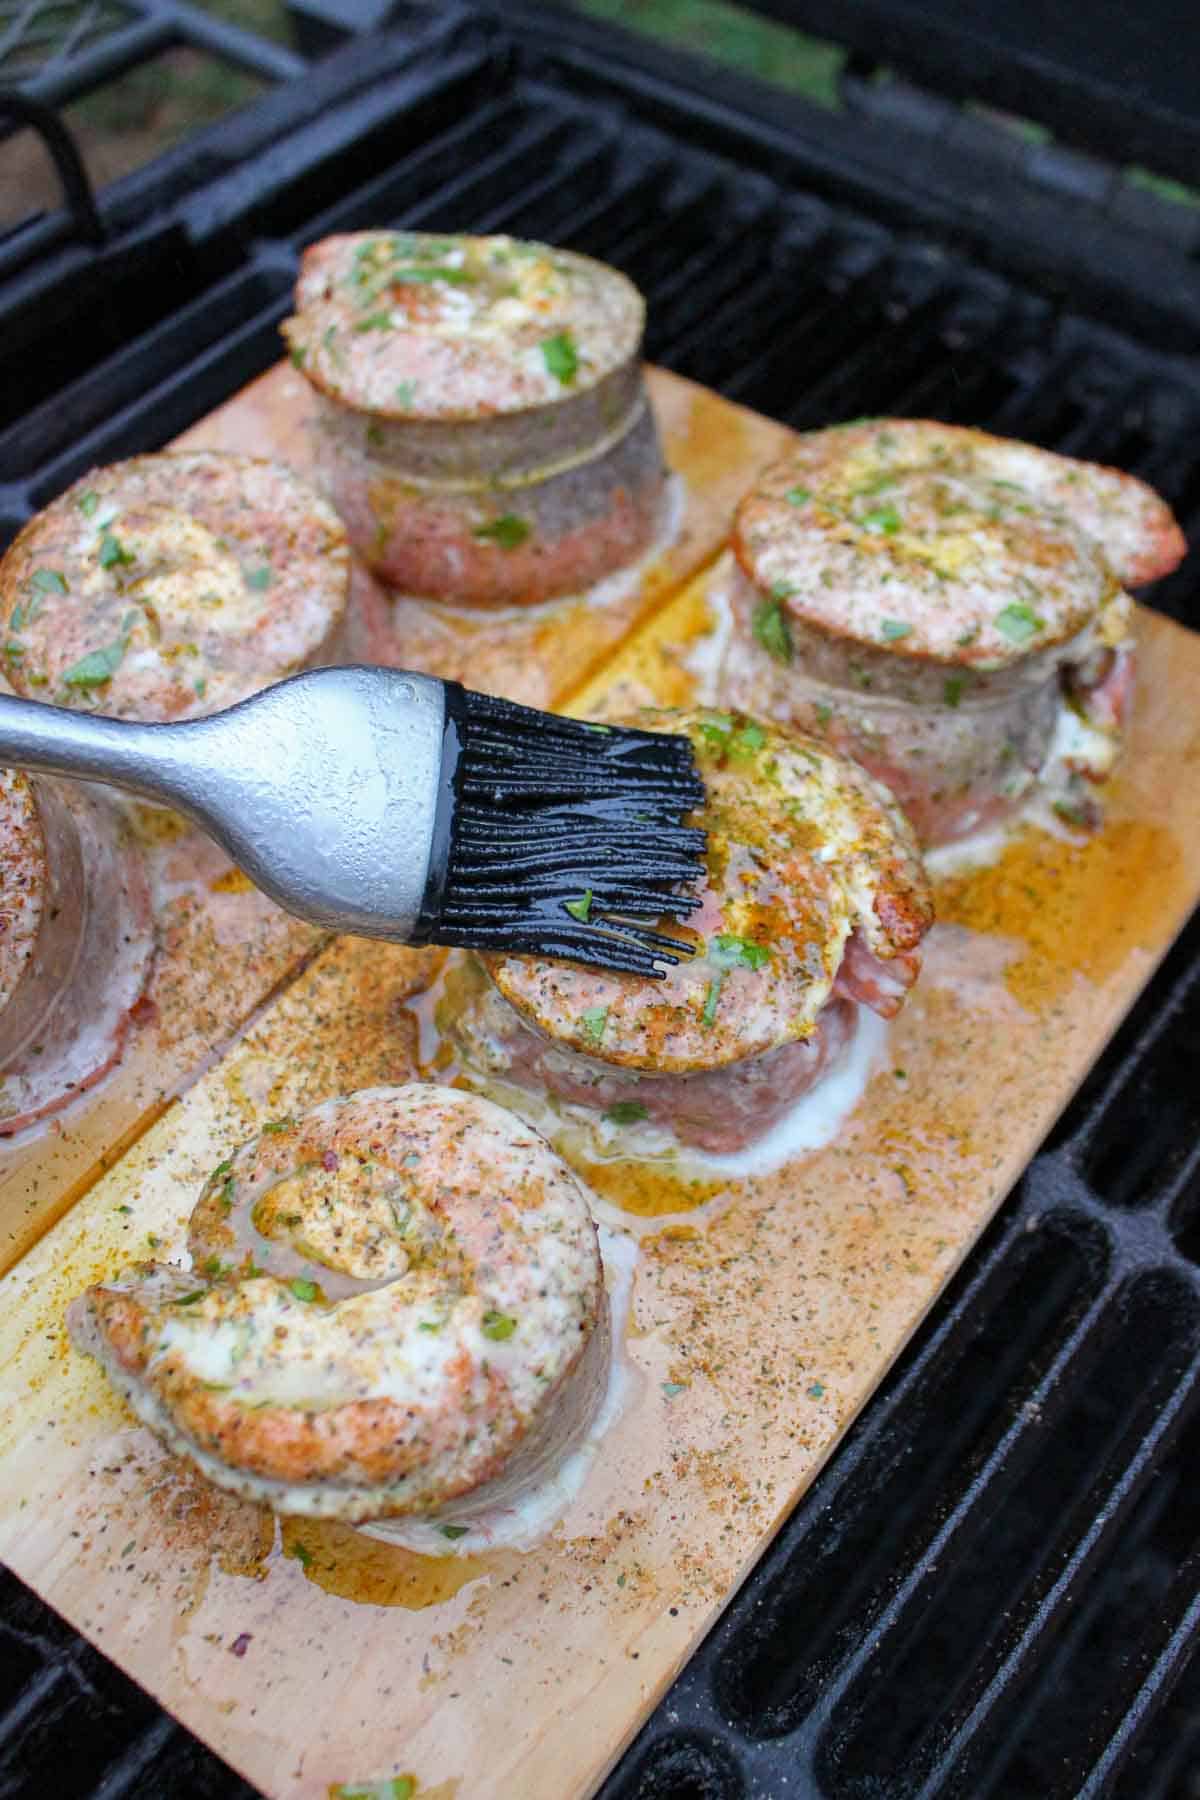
(992, 1590)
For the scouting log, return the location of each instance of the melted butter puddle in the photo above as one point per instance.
(1077, 907)
(645, 1189)
(231, 882)
(341, 1561)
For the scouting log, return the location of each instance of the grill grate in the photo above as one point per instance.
(993, 1588)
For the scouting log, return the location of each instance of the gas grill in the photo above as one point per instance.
(993, 1588)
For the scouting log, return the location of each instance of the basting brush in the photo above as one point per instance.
(398, 806)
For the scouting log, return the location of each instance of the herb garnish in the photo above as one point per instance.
(48, 581)
(441, 272)
(508, 531)
(580, 909)
(730, 952)
(883, 522)
(113, 553)
(87, 502)
(453, 1531)
(190, 1299)
(593, 1021)
(97, 667)
(625, 1112)
(303, 1290)
(380, 321)
(895, 628)
(772, 630)
(497, 1326)
(797, 496)
(259, 578)
(1018, 622)
(708, 1016)
(406, 394)
(952, 689)
(561, 357)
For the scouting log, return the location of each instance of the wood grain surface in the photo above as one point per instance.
(223, 947)
(764, 1313)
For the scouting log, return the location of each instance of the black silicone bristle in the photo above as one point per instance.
(548, 811)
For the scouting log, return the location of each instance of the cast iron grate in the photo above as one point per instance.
(993, 1588)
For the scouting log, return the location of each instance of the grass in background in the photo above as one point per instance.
(731, 35)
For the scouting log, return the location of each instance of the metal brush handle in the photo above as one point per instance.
(324, 789)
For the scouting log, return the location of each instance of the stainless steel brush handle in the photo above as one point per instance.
(324, 789)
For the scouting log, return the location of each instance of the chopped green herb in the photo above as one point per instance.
(14, 650)
(782, 590)
(772, 631)
(303, 1290)
(952, 689)
(561, 357)
(895, 628)
(716, 730)
(621, 1579)
(497, 1326)
(580, 909)
(125, 1209)
(1018, 622)
(453, 1531)
(900, 1074)
(16, 618)
(817, 1390)
(381, 321)
(729, 952)
(201, 687)
(406, 394)
(213, 1266)
(277, 1125)
(746, 741)
(824, 713)
(708, 1016)
(431, 1324)
(87, 502)
(884, 521)
(97, 667)
(1072, 814)
(671, 1388)
(259, 578)
(797, 496)
(190, 1299)
(968, 636)
(593, 1021)
(375, 434)
(508, 531)
(457, 277)
(113, 553)
(130, 1547)
(49, 581)
(302, 1554)
(625, 1112)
